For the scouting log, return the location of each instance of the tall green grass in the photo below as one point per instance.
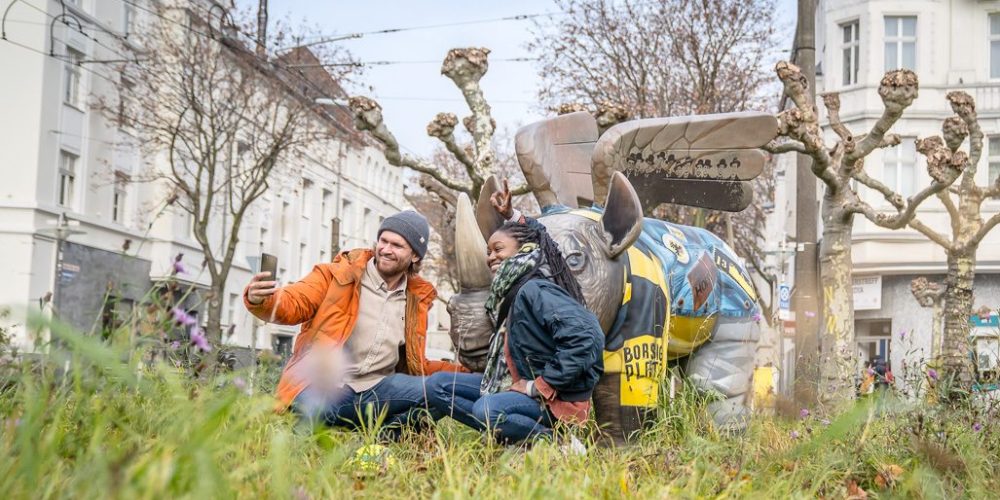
(113, 427)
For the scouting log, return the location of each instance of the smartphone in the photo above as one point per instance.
(269, 263)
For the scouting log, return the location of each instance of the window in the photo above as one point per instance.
(304, 265)
(263, 240)
(994, 159)
(118, 198)
(347, 220)
(128, 19)
(900, 42)
(306, 198)
(67, 178)
(900, 165)
(851, 50)
(233, 301)
(366, 229)
(995, 45)
(286, 224)
(71, 91)
(324, 210)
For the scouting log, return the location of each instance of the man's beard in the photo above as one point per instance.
(390, 267)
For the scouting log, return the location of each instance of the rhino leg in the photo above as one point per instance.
(725, 365)
(471, 328)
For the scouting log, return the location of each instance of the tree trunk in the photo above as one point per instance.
(213, 323)
(957, 310)
(838, 348)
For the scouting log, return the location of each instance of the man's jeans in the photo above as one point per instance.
(400, 397)
(511, 415)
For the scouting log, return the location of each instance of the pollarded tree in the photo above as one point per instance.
(963, 203)
(837, 165)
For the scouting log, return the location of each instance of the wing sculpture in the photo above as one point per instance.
(703, 161)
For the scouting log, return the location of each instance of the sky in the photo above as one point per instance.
(412, 94)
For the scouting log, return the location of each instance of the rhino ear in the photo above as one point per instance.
(488, 218)
(622, 219)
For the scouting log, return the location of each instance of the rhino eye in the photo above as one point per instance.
(576, 260)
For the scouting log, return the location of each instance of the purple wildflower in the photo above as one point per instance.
(182, 317)
(239, 383)
(932, 373)
(977, 426)
(198, 340)
(175, 345)
(804, 413)
(178, 265)
(794, 434)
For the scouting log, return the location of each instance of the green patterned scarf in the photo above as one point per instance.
(496, 376)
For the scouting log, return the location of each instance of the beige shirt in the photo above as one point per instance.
(372, 350)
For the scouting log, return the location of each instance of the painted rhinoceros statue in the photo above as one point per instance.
(662, 291)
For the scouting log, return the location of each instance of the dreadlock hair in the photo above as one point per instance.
(551, 256)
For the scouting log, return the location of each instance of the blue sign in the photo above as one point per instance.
(985, 321)
(784, 296)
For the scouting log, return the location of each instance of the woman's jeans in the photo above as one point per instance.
(512, 416)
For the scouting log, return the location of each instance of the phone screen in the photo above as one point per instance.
(269, 263)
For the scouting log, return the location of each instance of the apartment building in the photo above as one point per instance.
(79, 237)
(950, 45)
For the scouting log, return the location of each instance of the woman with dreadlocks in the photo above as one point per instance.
(546, 352)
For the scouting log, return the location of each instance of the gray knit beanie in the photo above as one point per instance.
(412, 227)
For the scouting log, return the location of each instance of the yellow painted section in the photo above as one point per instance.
(641, 362)
(764, 378)
(687, 333)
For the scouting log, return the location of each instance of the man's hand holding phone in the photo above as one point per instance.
(261, 287)
(259, 290)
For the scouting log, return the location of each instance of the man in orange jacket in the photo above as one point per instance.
(364, 318)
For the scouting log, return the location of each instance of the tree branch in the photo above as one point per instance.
(443, 128)
(832, 102)
(898, 89)
(784, 147)
(466, 67)
(984, 229)
(931, 234)
(368, 117)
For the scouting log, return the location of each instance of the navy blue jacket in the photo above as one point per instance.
(553, 336)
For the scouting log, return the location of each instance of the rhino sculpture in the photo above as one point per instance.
(663, 292)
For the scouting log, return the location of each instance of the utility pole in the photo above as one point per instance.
(806, 300)
(262, 29)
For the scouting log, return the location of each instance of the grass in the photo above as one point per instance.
(109, 427)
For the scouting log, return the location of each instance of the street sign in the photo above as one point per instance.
(784, 301)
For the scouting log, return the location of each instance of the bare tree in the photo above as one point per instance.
(634, 58)
(465, 67)
(963, 203)
(837, 166)
(217, 125)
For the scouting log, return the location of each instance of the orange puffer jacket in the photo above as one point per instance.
(326, 304)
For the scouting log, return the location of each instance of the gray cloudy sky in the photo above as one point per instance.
(411, 94)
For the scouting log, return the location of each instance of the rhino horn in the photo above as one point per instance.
(470, 248)
(488, 218)
(622, 219)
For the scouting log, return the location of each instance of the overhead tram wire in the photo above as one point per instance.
(81, 31)
(351, 36)
(393, 63)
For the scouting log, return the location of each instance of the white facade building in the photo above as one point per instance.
(950, 45)
(63, 160)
